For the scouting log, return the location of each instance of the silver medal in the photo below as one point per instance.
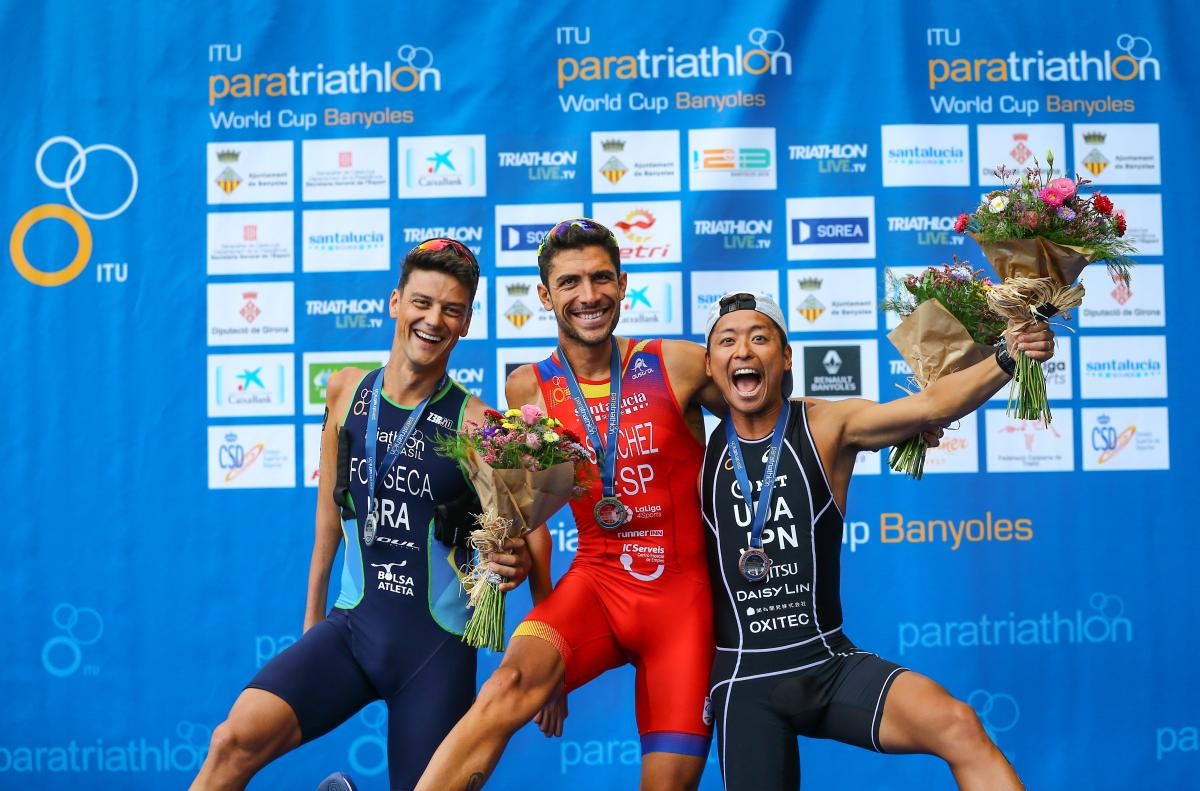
(370, 525)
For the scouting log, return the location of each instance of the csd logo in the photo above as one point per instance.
(73, 215)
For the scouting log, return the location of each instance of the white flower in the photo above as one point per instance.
(998, 204)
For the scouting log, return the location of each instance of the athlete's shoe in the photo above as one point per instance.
(338, 781)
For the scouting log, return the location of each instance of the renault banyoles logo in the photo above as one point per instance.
(73, 215)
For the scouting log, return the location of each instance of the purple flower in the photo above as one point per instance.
(490, 431)
(1065, 213)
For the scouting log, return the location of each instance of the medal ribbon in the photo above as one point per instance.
(760, 509)
(375, 479)
(606, 451)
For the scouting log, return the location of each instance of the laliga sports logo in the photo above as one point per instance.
(72, 215)
(998, 711)
(62, 655)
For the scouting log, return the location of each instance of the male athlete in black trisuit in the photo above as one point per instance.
(784, 667)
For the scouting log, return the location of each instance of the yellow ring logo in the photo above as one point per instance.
(50, 211)
(72, 215)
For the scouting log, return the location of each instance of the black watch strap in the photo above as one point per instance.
(1006, 362)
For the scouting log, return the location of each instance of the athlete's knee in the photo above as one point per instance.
(671, 772)
(235, 744)
(508, 695)
(962, 733)
(230, 743)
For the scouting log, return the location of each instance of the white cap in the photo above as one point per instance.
(744, 300)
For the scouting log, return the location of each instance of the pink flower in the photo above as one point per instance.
(1057, 192)
(533, 440)
(1030, 220)
(531, 414)
(1050, 197)
(1064, 187)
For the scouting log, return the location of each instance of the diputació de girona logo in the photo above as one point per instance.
(73, 215)
(62, 654)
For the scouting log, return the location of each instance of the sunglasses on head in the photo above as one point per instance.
(436, 245)
(742, 301)
(579, 222)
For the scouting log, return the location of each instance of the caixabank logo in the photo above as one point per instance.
(448, 166)
(112, 177)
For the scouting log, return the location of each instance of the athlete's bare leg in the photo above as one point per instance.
(260, 727)
(671, 772)
(919, 716)
(529, 673)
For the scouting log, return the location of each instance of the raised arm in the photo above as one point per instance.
(871, 426)
(328, 521)
(690, 383)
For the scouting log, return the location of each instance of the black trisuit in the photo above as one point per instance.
(783, 666)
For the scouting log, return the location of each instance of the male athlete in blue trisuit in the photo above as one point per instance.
(394, 633)
(773, 492)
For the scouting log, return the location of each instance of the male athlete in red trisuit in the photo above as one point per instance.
(637, 590)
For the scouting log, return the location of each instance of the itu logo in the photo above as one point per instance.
(368, 753)
(73, 215)
(998, 711)
(62, 655)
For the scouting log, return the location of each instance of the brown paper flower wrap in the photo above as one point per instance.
(1037, 283)
(934, 344)
(1039, 232)
(524, 467)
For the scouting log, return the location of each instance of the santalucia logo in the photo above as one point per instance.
(73, 215)
(413, 71)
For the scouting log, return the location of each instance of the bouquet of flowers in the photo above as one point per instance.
(1039, 232)
(524, 466)
(947, 326)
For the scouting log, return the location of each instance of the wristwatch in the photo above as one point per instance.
(1006, 363)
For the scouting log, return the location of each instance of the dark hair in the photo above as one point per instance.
(576, 234)
(442, 255)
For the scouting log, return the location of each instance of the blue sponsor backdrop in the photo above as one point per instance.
(147, 233)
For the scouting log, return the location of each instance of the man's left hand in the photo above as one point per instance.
(513, 563)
